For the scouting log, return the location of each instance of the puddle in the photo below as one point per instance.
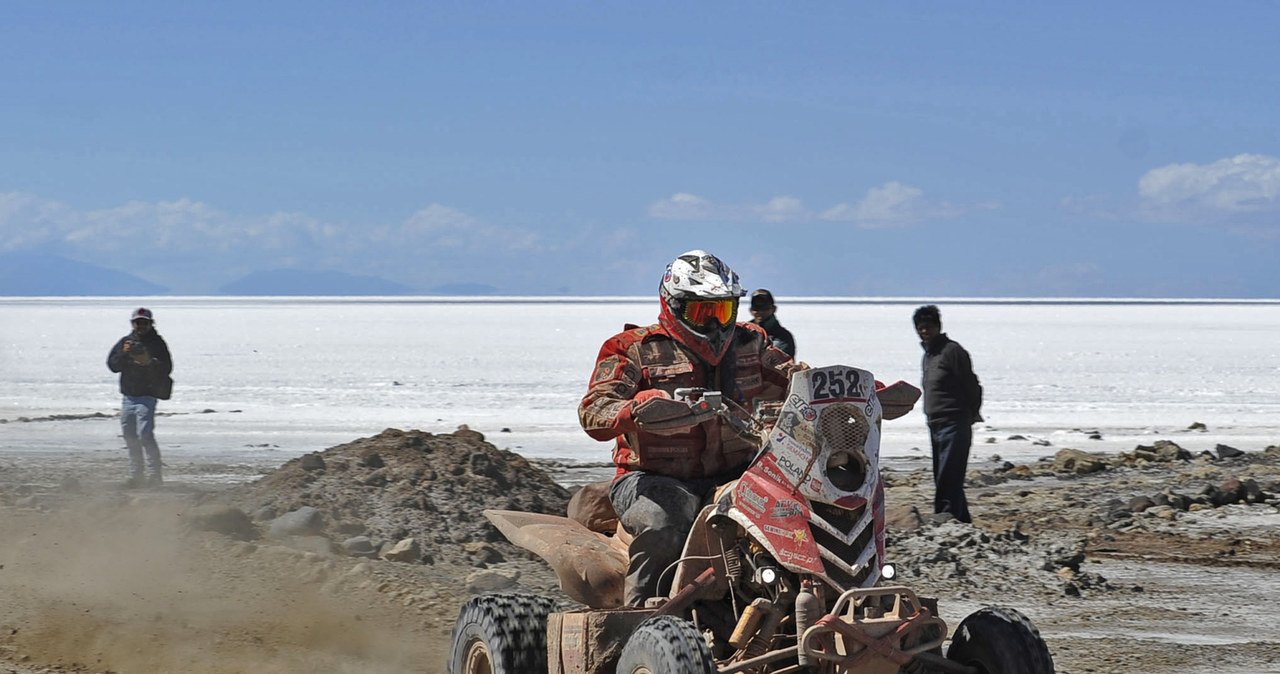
(1179, 603)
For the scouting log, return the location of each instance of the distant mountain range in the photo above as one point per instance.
(297, 282)
(43, 275)
(40, 275)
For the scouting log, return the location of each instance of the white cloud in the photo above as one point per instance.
(685, 206)
(891, 205)
(782, 209)
(1239, 190)
(186, 236)
(440, 227)
(895, 204)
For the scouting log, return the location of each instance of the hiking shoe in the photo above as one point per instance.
(133, 482)
(154, 480)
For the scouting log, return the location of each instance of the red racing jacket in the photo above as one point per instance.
(636, 364)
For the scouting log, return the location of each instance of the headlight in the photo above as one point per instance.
(846, 470)
(888, 572)
(767, 575)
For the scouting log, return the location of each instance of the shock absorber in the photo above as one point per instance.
(763, 638)
(733, 564)
(808, 611)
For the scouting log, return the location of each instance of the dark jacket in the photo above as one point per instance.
(141, 380)
(951, 389)
(779, 336)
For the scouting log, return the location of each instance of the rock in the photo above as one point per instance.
(264, 513)
(491, 580)
(407, 550)
(311, 461)
(1139, 504)
(1197, 426)
(377, 478)
(1077, 462)
(1180, 502)
(903, 518)
(1230, 491)
(228, 521)
(1253, 493)
(372, 460)
(1020, 471)
(464, 431)
(358, 546)
(1163, 451)
(481, 553)
(304, 520)
(1227, 452)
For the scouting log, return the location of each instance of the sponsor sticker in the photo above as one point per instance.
(749, 500)
(769, 468)
(785, 508)
(799, 559)
(606, 369)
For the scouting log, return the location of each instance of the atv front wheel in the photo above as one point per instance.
(501, 634)
(666, 645)
(1000, 641)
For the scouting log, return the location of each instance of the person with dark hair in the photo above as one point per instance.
(763, 314)
(671, 454)
(142, 359)
(952, 404)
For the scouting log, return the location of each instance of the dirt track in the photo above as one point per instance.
(96, 579)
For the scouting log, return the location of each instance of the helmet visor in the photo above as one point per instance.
(700, 313)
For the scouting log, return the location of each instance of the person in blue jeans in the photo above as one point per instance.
(142, 359)
(952, 402)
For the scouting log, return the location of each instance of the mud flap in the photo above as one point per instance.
(592, 568)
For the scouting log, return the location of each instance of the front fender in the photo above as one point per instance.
(592, 567)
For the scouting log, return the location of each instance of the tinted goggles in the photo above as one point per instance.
(699, 313)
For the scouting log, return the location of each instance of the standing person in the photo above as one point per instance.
(952, 402)
(670, 454)
(763, 314)
(142, 359)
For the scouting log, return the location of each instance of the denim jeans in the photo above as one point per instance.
(138, 424)
(951, 440)
(658, 511)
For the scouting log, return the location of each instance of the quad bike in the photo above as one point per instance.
(781, 572)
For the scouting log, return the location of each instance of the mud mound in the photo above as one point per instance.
(407, 484)
(968, 562)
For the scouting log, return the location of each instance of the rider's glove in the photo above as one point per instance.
(659, 413)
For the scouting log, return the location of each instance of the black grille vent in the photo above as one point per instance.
(840, 519)
(834, 547)
(840, 578)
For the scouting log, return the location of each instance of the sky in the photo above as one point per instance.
(903, 149)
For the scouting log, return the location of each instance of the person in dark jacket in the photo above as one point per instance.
(952, 402)
(142, 359)
(763, 314)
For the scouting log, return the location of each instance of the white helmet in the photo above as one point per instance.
(700, 303)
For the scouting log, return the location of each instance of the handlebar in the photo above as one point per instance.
(713, 399)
